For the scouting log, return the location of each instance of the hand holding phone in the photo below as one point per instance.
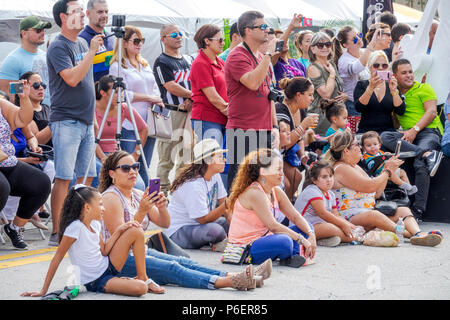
(279, 47)
(154, 185)
(397, 148)
(16, 87)
(160, 110)
(384, 75)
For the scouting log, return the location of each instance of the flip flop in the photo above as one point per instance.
(431, 239)
(157, 289)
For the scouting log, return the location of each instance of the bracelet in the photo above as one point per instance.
(395, 93)
(300, 239)
(311, 231)
(388, 171)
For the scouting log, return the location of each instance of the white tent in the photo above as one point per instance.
(150, 15)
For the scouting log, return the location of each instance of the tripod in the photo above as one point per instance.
(120, 86)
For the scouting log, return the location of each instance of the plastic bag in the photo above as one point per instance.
(379, 238)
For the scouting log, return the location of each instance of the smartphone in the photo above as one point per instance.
(397, 148)
(154, 185)
(160, 110)
(41, 157)
(385, 75)
(16, 87)
(279, 47)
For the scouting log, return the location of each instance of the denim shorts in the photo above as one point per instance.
(99, 284)
(74, 146)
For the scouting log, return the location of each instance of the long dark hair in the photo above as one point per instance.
(73, 206)
(104, 84)
(339, 41)
(314, 172)
(189, 173)
(294, 85)
(110, 164)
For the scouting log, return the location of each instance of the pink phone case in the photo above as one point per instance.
(384, 75)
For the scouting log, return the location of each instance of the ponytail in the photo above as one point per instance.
(104, 84)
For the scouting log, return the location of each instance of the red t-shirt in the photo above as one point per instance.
(204, 74)
(247, 109)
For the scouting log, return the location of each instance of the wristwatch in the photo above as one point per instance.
(416, 128)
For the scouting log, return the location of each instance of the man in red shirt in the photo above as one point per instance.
(251, 115)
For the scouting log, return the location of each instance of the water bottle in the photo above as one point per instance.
(358, 234)
(399, 229)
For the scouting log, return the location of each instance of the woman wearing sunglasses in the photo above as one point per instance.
(209, 92)
(325, 77)
(141, 87)
(123, 204)
(352, 64)
(378, 97)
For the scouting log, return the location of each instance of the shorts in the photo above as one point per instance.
(99, 284)
(313, 219)
(74, 146)
(350, 213)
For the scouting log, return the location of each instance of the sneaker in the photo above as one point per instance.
(44, 214)
(220, 246)
(433, 161)
(16, 237)
(293, 262)
(53, 240)
(329, 242)
(264, 269)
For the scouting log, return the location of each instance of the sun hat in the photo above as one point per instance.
(33, 22)
(206, 148)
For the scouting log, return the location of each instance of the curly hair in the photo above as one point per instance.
(189, 173)
(248, 172)
(73, 206)
(110, 164)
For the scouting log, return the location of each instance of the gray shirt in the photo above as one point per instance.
(70, 103)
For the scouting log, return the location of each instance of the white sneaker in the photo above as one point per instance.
(329, 242)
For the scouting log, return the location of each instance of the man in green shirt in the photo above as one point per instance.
(422, 130)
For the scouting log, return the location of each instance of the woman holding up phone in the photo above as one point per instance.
(376, 99)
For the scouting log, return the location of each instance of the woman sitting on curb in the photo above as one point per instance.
(123, 204)
(255, 200)
(356, 192)
(197, 207)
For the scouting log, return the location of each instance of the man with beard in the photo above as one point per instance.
(97, 13)
(27, 57)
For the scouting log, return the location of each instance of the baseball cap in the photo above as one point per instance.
(33, 22)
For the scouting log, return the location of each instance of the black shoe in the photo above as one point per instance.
(418, 214)
(433, 161)
(16, 237)
(44, 214)
(293, 262)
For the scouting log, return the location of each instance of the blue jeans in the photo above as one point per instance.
(130, 146)
(446, 149)
(275, 246)
(216, 131)
(351, 110)
(167, 269)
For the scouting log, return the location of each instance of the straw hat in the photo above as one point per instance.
(206, 148)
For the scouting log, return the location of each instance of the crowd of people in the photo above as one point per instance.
(255, 124)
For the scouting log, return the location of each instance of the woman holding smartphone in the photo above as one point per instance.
(376, 98)
(141, 87)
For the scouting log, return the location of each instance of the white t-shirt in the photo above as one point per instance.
(309, 194)
(85, 251)
(193, 200)
(351, 71)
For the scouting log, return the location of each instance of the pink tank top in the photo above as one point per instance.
(246, 226)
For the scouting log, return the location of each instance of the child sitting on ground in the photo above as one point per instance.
(99, 263)
(371, 143)
(317, 203)
(336, 113)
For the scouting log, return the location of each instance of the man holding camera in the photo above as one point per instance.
(251, 111)
(69, 60)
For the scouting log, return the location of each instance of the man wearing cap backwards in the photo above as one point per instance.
(198, 211)
(27, 57)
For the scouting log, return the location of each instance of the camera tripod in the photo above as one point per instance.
(120, 86)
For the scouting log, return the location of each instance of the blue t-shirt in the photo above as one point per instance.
(20, 61)
(446, 136)
(224, 55)
(103, 55)
(329, 132)
(70, 103)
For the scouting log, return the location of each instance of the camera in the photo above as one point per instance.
(276, 96)
(118, 21)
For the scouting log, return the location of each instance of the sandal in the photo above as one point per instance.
(431, 239)
(153, 287)
(264, 269)
(244, 280)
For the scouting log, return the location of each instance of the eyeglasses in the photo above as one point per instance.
(357, 37)
(136, 41)
(263, 27)
(174, 35)
(37, 85)
(383, 65)
(320, 45)
(221, 40)
(126, 167)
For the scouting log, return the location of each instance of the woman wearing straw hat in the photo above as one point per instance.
(198, 209)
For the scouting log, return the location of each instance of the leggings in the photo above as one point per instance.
(27, 182)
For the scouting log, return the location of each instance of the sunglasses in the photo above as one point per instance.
(383, 65)
(221, 40)
(320, 45)
(36, 30)
(262, 27)
(136, 41)
(126, 167)
(174, 35)
(357, 37)
(37, 85)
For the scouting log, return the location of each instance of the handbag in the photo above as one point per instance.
(163, 243)
(388, 208)
(158, 125)
(236, 254)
